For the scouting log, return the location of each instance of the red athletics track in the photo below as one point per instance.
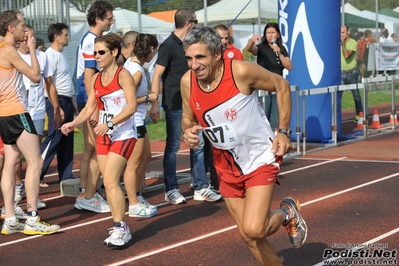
(348, 194)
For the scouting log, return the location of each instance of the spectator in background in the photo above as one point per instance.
(40, 45)
(100, 19)
(384, 35)
(349, 74)
(271, 55)
(128, 41)
(368, 37)
(17, 129)
(230, 51)
(171, 65)
(393, 38)
(57, 143)
(361, 49)
(36, 104)
(145, 48)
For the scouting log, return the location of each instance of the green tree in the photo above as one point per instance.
(370, 4)
(148, 6)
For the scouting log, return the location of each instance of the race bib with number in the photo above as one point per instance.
(104, 117)
(222, 136)
(33, 96)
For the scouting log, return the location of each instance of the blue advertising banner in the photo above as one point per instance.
(310, 32)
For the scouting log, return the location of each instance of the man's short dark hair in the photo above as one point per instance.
(55, 29)
(98, 9)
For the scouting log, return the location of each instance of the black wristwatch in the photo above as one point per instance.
(110, 125)
(147, 99)
(287, 132)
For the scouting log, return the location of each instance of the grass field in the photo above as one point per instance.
(157, 131)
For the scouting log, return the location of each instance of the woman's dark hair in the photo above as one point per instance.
(112, 41)
(276, 27)
(143, 44)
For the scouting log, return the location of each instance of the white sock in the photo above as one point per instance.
(11, 220)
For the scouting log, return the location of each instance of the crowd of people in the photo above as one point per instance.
(203, 80)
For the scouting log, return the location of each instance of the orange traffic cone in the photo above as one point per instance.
(375, 124)
(359, 125)
(396, 120)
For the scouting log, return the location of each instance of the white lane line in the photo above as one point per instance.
(348, 160)
(365, 244)
(173, 246)
(216, 232)
(312, 165)
(233, 227)
(350, 189)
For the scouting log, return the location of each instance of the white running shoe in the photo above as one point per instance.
(95, 204)
(40, 227)
(142, 200)
(118, 237)
(11, 228)
(19, 213)
(41, 204)
(140, 210)
(174, 197)
(206, 194)
(19, 192)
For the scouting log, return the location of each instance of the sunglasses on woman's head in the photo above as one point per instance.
(100, 52)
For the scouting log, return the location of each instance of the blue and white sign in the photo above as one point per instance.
(311, 34)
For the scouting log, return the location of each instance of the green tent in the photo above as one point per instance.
(389, 12)
(353, 21)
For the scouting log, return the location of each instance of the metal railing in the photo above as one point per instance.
(300, 100)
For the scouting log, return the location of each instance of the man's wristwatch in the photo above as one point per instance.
(147, 99)
(287, 132)
(110, 125)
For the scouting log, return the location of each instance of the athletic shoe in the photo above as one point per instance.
(295, 226)
(41, 204)
(40, 227)
(215, 189)
(95, 204)
(103, 193)
(123, 190)
(356, 119)
(19, 213)
(118, 237)
(145, 203)
(140, 210)
(206, 194)
(19, 192)
(174, 197)
(11, 228)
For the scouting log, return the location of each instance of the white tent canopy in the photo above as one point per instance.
(126, 20)
(350, 9)
(52, 11)
(396, 9)
(381, 18)
(226, 10)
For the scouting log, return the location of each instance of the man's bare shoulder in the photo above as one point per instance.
(243, 69)
(186, 78)
(7, 52)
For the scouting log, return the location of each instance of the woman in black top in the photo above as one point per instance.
(271, 55)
